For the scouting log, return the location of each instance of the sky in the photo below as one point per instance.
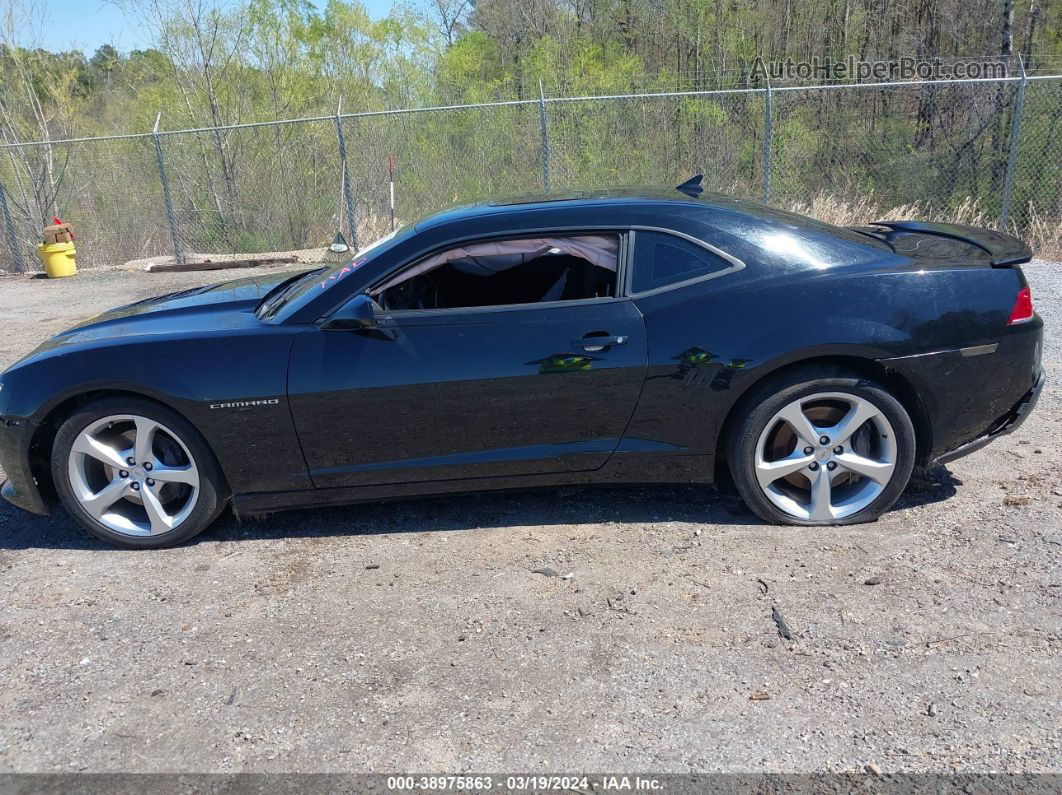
(86, 24)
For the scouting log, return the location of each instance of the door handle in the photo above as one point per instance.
(594, 344)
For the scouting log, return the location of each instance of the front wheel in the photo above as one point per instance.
(822, 449)
(135, 473)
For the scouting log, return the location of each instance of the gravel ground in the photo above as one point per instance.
(416, 635)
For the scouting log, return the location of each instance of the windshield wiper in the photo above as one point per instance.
(275, 298)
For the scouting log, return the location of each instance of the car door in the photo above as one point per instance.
(468, 393)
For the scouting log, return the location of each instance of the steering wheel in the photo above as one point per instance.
(418, 293)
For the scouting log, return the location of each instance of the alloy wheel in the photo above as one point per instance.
(133, 475)
(825, 456)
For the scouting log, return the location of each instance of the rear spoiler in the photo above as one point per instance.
(1004, 250)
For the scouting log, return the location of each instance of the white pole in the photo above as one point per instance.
(391, 178)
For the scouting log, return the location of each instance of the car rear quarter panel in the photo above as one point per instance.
(709, 343)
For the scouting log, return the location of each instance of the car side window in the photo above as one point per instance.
(661, 259)
(503, 272)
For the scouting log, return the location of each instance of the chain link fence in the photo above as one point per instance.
(1037, 190)
(658, 140)
(110, 186)
(936, 147)
(249, 189)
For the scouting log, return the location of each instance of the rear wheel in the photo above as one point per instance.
(822, 448)
(136, 474)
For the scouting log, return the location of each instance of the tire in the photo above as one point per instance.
(782, 483)
(172, 496)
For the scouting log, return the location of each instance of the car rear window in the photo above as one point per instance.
(661, 259)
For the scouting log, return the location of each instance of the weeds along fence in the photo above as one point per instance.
(995, 144)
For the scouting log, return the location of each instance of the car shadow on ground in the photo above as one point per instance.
(564, 506)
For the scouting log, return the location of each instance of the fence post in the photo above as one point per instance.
(767, 143)
(178, 254)
(1012, 156)
(545, 135)
(344, 176)
(9, 227)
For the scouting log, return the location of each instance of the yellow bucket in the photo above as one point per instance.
(58, 259)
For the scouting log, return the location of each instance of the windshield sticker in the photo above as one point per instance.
(346, 271)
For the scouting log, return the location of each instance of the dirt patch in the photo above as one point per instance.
(418, 635)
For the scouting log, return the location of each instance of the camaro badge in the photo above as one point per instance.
(241, 404)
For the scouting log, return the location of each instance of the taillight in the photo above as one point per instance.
(1023, 308)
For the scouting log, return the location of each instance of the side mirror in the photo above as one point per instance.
(358, 313)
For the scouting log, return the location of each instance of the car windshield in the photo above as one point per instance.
(322, 277)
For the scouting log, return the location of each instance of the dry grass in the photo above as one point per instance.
(1043, 234)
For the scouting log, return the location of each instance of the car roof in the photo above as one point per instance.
(664, 207)
(629, 197)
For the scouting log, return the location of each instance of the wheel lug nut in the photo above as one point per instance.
(147, 465)
(824, 440)
(813, 466)
(130, 460)
(150, 482)
(123, 474)
(838, 449)
(809, 450)
(135, 485)
(831, 466)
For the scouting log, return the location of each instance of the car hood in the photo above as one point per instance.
(227, 305)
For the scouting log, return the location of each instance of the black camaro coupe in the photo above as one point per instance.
(602, 337)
